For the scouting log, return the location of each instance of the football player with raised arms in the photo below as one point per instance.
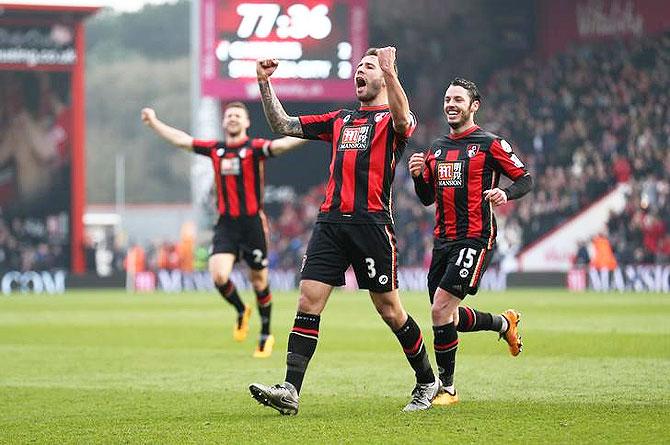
(354, 226)
(241, 230)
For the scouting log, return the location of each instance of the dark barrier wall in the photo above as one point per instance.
(536, 279)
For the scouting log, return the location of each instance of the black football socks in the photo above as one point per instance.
(301, 346)
(229, 293)
(411, 340)
(264, 302)
(446, 345)
(471, 320)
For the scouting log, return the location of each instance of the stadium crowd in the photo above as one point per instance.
(34, 243)
(584, 121)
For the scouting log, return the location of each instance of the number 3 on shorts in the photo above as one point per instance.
(371, 267)
(468, 254)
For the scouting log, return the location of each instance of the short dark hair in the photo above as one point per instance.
(373, 52)
(236, 104)
(469, 85)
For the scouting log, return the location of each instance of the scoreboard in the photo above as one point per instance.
(318, 44)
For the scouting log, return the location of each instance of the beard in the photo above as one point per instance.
(371, 91)
(233, 131)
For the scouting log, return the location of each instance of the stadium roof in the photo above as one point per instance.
(84, 7)
(116, 5)
(66, 3)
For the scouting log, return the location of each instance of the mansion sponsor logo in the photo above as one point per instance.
(449, 174)
(182, 281)
(635, 278)
(355, 138)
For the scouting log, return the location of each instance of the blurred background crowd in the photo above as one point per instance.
(582, 121)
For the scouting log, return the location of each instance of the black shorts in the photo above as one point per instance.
(244, 236)
(457, 267)
(369, 248)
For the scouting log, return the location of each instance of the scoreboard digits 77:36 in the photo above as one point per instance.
(318, 44)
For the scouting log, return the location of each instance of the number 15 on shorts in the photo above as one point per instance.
(466, 259)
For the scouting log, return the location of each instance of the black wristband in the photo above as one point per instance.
(519, 187)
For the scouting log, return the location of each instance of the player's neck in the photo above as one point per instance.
(463, 128)
(236, 139)
(380, 99)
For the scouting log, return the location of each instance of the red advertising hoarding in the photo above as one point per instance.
(566, 22)
(318, 43)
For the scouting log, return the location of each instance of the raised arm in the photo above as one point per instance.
(398, 103)
(174, 136)
(279, 121)
(285, 144)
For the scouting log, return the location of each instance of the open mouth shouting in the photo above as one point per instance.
(361, 83)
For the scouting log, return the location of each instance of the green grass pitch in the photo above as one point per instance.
(106, 367)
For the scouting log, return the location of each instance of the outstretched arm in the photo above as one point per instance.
(174, 136)
(285, 144)
(279, 121)
(398, 102)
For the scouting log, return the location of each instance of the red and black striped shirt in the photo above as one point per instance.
(239, 172)
(365, 149)
(459, 167)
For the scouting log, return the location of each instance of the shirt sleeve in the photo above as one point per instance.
(424, 185)
(203, 146)
(412, 126)
(262, 148)
(427, 172)
(319, 126)
(506, 161)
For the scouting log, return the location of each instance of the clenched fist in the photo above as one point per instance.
(265, 68)
(496, 196)
(416, 164)
(386, 57)
(147, 115)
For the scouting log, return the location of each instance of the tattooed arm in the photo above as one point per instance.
(279, 121)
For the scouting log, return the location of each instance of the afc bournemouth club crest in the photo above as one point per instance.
(380, 116)
(355, 138)
(473, 149)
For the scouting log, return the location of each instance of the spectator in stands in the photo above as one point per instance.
(582, 259)
(603, 256)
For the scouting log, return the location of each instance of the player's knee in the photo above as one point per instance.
(392, 314)
(220, 278)
(443, 307)
(308, 300)
(307, 303)
(259, 283)
(441, 314)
